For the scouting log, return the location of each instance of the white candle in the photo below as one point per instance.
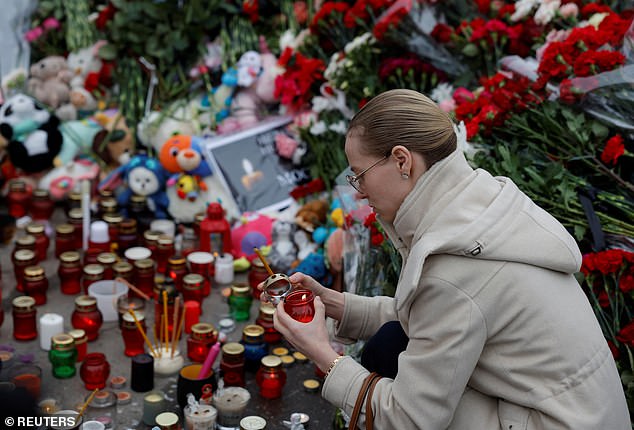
(224, 269)
(50, 325)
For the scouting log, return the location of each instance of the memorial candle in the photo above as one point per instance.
(50, 325)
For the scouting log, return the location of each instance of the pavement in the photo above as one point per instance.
(69, 393)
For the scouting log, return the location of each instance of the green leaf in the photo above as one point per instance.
(599, 130)
(471, 50)
(108, 52)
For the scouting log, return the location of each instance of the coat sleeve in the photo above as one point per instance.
(446, 333)
(364, 316)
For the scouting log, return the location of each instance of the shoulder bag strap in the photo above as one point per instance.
(369, 415)
(354, 418)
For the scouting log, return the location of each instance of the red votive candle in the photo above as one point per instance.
(87, 317)
(94, 371)
(36, 284)
(201, 263)
(271, 378)
(132, 337)
(70, 272)
(81, 343)
(200, 341)
(24, 313)
(299, 304)
(192, 315)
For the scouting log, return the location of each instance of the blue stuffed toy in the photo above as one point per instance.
(315, 266)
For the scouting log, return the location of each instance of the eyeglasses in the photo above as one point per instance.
(353, 180)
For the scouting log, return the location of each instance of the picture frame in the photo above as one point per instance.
(248, 165)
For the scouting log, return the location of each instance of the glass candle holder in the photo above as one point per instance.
(107, 260)
(240, 302)
(168, 421)
(27, 376)
(18, 198)
(42, 241)
(125, 270)
(107, 205)
(64, 239)
(42, 206)
(193, 287)
(202, 263)
(153, 404)
(223, 269)
(144, 276)
(76, 219)
(24, 318)
(25, 241)
(150, 240)
(232, 365)
(127, 235)
(63, 356)
(231, 404)
(177, 269)
(276, 287)
(91, 274)
(254, 346)
(201, 417)
(81, 343)
(265, 319)
(22, 258)
(87, 316)
(70, 272)
(36, 284)
(113, 220)
(271, 377)
(167, 363)
(164, 251)
(94, 371)
(189, 243)
(132, 337)
(299, 304)
(257, 275)
(200, 341)
(126, 303)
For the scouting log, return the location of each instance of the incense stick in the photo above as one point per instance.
(166, 340)
(266, 265)
(85, 405)
(138, 326)
(177, 303)
(133, 288)
(180, 326)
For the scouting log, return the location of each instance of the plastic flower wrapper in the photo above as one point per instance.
(408, 24)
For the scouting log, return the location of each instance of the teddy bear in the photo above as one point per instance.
(32, 132)
(312, 214)
(49, 81)
(115, 143)
(256, 88)
(283, 250)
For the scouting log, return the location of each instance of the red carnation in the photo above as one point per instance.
(250, 8)
(614, 148)
(594, 62)
(442, 33)
(592, 8)
(323, 15)
(391, 18)
(626, 334)
(608, 261)
(626, 283)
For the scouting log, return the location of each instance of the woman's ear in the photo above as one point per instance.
(403, 157)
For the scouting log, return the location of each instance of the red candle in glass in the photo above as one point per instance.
(91, 273)
(299, 304)
(193, 287)
(113, 220)
(70, 272)
(64, 239)
(192, 315)
(107, 260)
(164, 251)
(22, 258)
(271, 378)
(87, 316)
(76, 219)
(42, 241)
(201, 262)
(132, 337)
(81, 343)
(177, 269)
(42, 206)
(232, 364)
(94, 371)
(125, 270)
(127, 235)
(265, 319)
(200, 341)
(25, 242)
(24, 316)
(18, 198)
(257, 275)
(36, 284)
(144, 276)
(150, 238)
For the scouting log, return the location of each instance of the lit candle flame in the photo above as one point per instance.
(303, 296)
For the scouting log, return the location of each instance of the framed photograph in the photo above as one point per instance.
(248, 165)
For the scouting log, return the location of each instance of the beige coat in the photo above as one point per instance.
(501, 335)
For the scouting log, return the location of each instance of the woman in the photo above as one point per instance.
(499, 335)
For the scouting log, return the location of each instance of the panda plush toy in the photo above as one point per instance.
(32, 132)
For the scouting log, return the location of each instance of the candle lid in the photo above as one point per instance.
(93, 269)
(176, 260)
(62, 342)
(192, 279)
(267, 308)
(166, 419)
(23, 303)
(113, 217)
(241, 290)
(74, 195)
(252, 422)
(200, 257)
(79, 335)
(127, 226)
(24, 255)
(165, 240)
(233, 348)
(202, 328)
(122, 267)
(17, 185)
(26, 240)
(137, 198)
(35, 228)
(271, 361)
(153, 397)
(253, 330)
(75, 213)
(279, 351)
(277, 287)
(311, 385)
(257, 263)
(106, 192)
(106, 258)
(69, 257)
(152, 235)
(225, 324)
(64, 229)
(137, 253)
(34, 271)
(140, 316)
(145, 263)
(41, 193)
(108, 204)
(85, 303)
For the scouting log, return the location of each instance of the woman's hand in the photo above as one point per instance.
(310, 338)
(333, 300)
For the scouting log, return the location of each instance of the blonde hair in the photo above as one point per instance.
(408, 118)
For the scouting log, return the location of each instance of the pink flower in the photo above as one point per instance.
(462, 95)
(569, 10)
(447, 105)
(50, 23)
(33, 34)
(285, 145)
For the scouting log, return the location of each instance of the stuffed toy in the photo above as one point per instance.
(78, 136)
(312, 214)
(283, 250)
(63, 180)
(89, 71)
(49, 81)
(32, 132)
(184, 210)
(314, 266)
(115, 143)
(157, 127)
(182, 153)
(143, 176)
(256, 87)
(253, 231)
(220, 99)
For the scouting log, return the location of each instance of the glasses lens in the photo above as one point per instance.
(352, 180)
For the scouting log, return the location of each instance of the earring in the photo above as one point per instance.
(404, 175)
